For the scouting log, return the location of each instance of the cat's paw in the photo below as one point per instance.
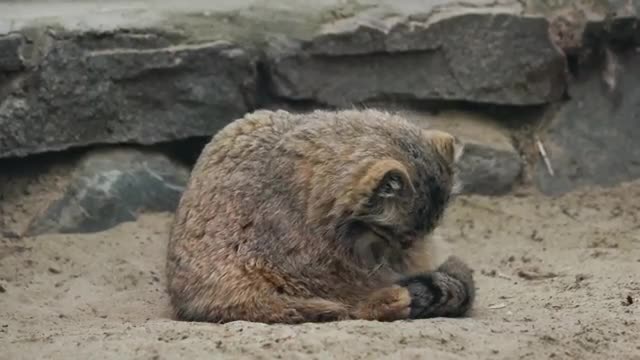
(388, 304)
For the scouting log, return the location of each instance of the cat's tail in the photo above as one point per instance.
(449, 291)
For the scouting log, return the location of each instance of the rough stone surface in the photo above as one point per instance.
(483, 56)
(109, 187)
(84, 73)
(158, 71)
(490, 165)
(486, 170)
(593, 139)
(77, 96)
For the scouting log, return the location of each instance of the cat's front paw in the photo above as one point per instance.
(388, 304)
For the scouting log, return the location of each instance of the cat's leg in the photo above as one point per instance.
(447, 291)
(320, 310)
(266, 309)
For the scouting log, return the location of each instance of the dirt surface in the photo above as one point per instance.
(557, 278)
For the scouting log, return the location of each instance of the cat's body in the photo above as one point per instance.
(316, 217)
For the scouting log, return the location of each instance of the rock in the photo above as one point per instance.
(490, 165)
(145, 76)
(10, 59)
(486, 170)
(593, 139)
(475, 54)
(111, 186)
(76, 97)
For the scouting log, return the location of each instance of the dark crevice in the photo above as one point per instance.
(509, 116)
(573, 64)
(7, 81)
(185, 151)
(263, 85)
(267, 98)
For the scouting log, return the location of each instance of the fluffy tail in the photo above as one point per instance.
(447, 292)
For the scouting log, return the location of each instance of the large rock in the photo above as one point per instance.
(594, 138)
(475, 54)
(78, 96)
(490, 165)
(105, 188)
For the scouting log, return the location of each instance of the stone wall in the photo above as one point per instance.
(508, 77)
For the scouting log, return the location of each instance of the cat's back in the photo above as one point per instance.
(228, 177)
(245, 142)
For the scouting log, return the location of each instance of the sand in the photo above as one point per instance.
(557, 278)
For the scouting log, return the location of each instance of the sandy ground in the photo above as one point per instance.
(557, 278)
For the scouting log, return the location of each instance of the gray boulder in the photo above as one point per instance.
(593, 139)
(487, 170)
(475, 54)
(111, 186)
(78, 96)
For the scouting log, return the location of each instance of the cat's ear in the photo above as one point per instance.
(385, 179)
(445, 144)
(376, 188)
(451, 149)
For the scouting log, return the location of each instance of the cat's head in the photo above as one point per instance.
(402, 198)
